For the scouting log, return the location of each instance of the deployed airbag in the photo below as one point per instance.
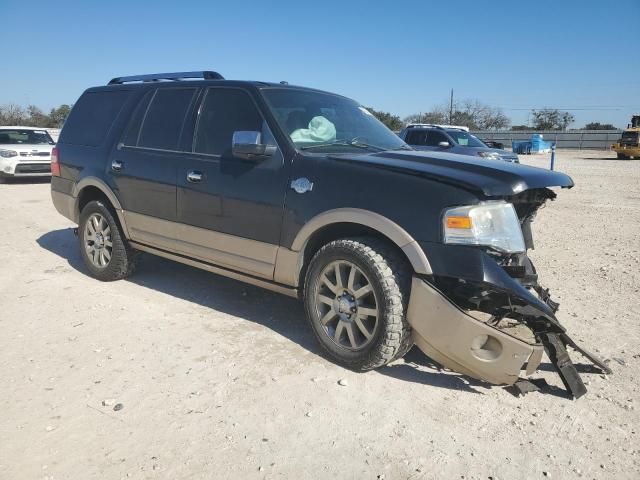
(320, 130)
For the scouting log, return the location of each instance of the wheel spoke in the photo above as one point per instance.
(90, 228)
(339, 283)
(368, 312)
(108, 243)
(363, 291)
(330, 315)
(107, 231)
(106, 254)
(96, 224)
(338, 334)
(324, 299)
(352, 277)
(352, 337)
(330, 286)
(362, 328)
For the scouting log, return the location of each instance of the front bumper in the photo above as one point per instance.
(12, 167)
(626, 150)
(462, 343)
(463, 316)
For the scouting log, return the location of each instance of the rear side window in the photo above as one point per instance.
(435, 138)
(225, 111)
(92, 117)
(133, 129)
(417, 137)
(165, 117)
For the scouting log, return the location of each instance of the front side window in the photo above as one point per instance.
(328, 123)
(435, 137)
(25, 137)
(225, 111)
(164, 119)
(417, 137)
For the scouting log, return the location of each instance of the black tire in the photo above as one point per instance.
(389, 275)
(621, 157)
(123, 258)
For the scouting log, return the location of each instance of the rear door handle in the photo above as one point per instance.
(194, 176)
(117, 165)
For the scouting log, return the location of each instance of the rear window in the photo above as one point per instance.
(164, 119)
(24, 137)
(92, 117)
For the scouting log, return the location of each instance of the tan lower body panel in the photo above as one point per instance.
(229, 251)
(460, 342)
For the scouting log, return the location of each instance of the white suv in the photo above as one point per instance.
(25, 152)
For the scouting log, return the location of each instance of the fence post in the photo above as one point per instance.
(553, 154)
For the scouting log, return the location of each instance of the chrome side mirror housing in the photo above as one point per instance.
(247, 145)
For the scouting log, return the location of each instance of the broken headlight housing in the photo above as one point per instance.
(492, 224)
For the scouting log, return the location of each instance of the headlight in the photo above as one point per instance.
(492, 224)
(490, 155)
(8, 153)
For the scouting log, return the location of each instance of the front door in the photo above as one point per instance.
(144, 165)
(230, 209)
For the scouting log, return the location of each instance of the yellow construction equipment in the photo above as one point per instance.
(629, 144)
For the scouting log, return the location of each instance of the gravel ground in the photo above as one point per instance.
(178, 373)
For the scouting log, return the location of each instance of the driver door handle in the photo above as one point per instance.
(194, 176)
(117, 165)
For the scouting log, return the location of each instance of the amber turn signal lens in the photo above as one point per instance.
(459, 222)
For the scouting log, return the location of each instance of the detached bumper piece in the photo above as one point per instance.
(479, 349)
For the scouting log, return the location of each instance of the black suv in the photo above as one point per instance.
(453, 140)
(305, 193)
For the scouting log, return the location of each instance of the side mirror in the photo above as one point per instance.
(444, 144)
(246, 145)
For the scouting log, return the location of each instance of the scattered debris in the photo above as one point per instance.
(107, 402)
(343, 382)
(117, 407)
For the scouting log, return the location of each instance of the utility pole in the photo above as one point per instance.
(451, 108)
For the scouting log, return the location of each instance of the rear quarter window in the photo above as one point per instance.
(92, 117)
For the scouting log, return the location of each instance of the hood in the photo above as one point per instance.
(490, 178)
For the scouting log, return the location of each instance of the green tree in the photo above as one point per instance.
(392, 122)
(551, 119)
(520, 128)
(58, 116)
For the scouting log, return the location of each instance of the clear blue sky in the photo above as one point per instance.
(401, 57)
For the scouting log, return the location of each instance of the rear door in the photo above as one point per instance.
(230, 209)
(144, 164)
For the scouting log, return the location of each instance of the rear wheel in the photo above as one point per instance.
(356, 294)
(103, 247)
(621, 157)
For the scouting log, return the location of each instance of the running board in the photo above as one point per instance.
(275, 287)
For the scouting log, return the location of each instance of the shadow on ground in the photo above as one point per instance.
(281, 314)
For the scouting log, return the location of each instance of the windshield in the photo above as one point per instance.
(326, 123)
(630, 136)
(26, 137)
(465, 139)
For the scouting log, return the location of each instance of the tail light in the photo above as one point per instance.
(55, 162)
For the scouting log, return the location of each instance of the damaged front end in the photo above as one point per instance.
(482, 312)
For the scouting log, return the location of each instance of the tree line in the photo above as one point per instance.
(32, 116)
(479, 116)
(470, 113)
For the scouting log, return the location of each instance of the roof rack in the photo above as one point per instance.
(441, 127)
(156, 77)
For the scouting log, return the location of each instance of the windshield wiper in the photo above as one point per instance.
(347, 143)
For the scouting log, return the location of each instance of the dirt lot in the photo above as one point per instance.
(222, 380)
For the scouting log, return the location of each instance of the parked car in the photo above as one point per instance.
(441, 138)
(24, 152)
(305, 193)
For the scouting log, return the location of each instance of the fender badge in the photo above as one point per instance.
(302, 185)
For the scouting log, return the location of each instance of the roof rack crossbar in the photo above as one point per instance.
(156, 77)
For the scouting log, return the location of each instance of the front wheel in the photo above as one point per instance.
(621, 157)
(356, 294)
(103, 247)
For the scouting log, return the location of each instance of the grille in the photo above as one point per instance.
(34, 154)
(34, 168)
